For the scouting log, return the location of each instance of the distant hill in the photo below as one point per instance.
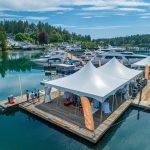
(128, 41)
(44, 33)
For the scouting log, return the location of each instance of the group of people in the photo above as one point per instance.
(33, 95)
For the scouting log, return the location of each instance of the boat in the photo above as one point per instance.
(112, 48)
(128, 58)
(52, 57)
(72, 62)
(132, 58)
(88, 55)
(66, 69)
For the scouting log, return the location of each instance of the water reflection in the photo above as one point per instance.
(16, 61)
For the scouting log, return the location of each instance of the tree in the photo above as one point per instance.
(43, 38)
(23, 37)
(54, 38)
(3, 44)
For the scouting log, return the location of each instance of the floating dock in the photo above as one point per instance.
(73, 128)
(4, 104)
(18, 100)
(50, 113)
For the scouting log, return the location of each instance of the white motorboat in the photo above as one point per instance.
(88, 55)
(127, 57)
(53, 57)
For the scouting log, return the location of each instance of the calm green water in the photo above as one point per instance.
(15, 64)
(21, 131)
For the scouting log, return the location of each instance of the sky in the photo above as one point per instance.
(98, 18)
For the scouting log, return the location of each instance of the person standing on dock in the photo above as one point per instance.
(32, 95)
(27, 95)
(35, 94)
(38, 95)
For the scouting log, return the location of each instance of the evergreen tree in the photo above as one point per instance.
(2, 40)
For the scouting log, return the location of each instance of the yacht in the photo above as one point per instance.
(107, 56)
(52, 57)
(131, 57)
(112, 48)
(127, 57)
(88, 55)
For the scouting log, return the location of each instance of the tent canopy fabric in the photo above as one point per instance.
(142, 62)
(115, 69)
(89, 82)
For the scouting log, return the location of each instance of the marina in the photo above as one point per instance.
(74, 75)
(71, 118)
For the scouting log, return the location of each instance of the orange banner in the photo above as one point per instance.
(146, 72)
(88, 117)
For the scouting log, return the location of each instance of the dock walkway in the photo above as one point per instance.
(18, 100)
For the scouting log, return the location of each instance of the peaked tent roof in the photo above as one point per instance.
(142, 62)
(118, 70)
(88, 82)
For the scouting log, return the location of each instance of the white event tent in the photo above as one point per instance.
(89, 82)
(142, 63)
(115, 69)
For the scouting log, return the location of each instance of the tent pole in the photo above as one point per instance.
(76, 109)
(57, 101)
(121, 96)
(113, 104)
(101, 112)
(116, 100)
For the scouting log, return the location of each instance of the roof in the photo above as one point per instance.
(142, 62)
(115, 69)
(89, 82)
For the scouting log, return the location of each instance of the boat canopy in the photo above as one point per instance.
(115, 69)
(89, 82)
(142, 63)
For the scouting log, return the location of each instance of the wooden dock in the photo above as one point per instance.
(50, 113)
(74, 128)
(17, 100)
(4, 104)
